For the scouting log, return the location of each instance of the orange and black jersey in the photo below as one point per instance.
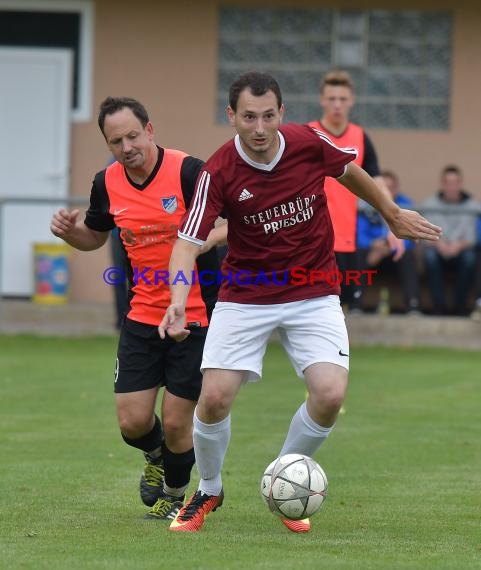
(148, 216)
(342, 203)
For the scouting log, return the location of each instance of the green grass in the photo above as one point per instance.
(404, 467)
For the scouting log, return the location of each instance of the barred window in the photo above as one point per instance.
(400, 61)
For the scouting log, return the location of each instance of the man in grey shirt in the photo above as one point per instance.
(456, 212)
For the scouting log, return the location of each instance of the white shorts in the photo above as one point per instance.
(311, 331)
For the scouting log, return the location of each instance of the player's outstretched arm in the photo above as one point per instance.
(65, 225)
(405, 224)
(182, 263)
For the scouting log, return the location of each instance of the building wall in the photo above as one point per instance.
(165, 54)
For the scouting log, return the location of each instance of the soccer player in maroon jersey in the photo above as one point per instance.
(269, 181)
(145, 193)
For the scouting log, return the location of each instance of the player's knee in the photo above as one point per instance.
(334, 401)
(176, 426)
(329, 399)
(214, 408)
(134, 426)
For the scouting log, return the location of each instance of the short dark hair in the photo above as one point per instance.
(258, 83)
(337, 78)
(111, 105)
(390, 174)
(452, 169)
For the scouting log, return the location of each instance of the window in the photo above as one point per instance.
(400, 61)
(55, 24)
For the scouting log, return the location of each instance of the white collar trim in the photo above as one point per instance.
(261, 166)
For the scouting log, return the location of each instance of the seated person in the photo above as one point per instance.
(456, 212)
(476, 314)
(375, 251)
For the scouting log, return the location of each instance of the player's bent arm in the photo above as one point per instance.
(379, 180)
(182, 262)
(396, 244)
(86, 239)
(217, 236)
(406, 224)
(64, 225)
(365, 187)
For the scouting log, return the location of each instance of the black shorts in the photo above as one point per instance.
(146, 361)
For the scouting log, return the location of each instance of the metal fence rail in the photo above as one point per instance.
(65, 201)
(69, 201)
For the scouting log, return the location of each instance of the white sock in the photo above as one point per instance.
(210, 446)
(304, 435)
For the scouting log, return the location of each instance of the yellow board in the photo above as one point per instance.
(51, 273)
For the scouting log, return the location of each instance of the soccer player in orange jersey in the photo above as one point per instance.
(145, 193)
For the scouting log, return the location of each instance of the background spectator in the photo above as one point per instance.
(375, 251)
(456, 212)
(476, 314)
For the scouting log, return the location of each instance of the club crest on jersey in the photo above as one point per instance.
(169, 204)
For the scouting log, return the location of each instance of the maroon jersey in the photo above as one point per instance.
(280, 236)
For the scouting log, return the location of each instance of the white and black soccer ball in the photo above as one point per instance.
(294, 486)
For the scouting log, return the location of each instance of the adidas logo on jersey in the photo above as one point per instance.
(245, 195)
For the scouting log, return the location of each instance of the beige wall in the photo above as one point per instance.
(164, 53)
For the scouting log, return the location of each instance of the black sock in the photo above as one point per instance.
(177, 467)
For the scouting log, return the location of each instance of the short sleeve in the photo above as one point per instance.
(205, 208)
(189, 173)
(335, 159)
(98, 217)
(370, 162)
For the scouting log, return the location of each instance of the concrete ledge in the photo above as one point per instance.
(18, 317)
(401, 330)
(72, 319)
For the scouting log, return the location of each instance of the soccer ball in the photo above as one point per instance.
(294, 486)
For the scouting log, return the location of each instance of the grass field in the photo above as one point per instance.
(404, 468)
